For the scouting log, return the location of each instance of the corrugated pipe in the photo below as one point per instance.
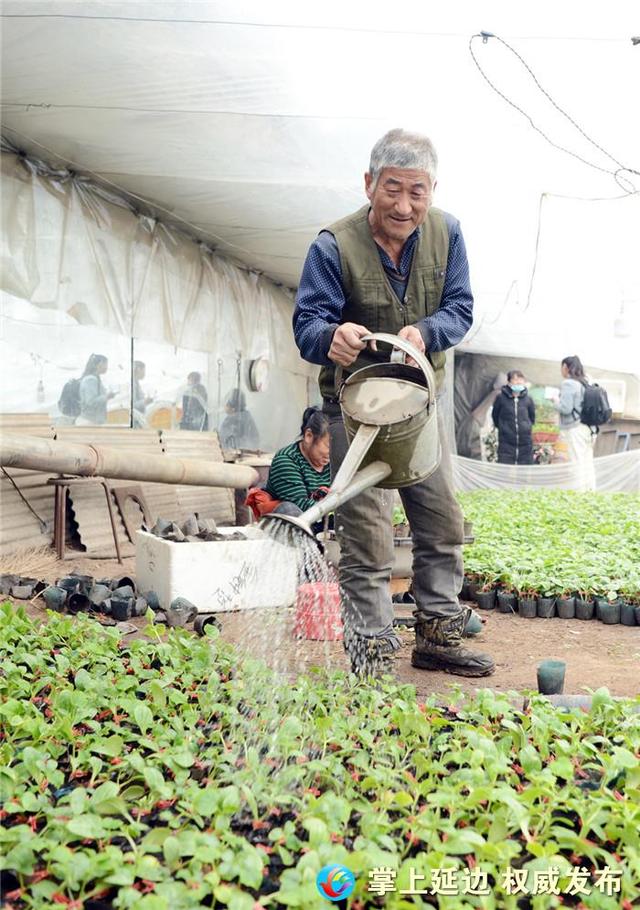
(83, 460)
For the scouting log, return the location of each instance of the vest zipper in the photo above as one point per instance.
(515, 417)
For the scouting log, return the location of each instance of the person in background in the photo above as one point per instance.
(576, 435)
(93, 395)
(513, 415)
(238, 429)
(194, 405)
(140, 400)
(299, 475)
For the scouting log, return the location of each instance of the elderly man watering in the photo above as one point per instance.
(397, 265)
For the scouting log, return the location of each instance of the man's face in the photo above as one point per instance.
(399, 202)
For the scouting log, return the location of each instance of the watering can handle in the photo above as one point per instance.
(409, 349)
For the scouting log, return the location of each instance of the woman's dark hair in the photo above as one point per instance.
(513, 373)
(574, 365)
(236, 400)
(313, 419)
(195, 377)
(93, 363)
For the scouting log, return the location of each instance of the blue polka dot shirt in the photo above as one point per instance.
(320, 298)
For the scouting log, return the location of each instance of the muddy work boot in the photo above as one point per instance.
(439, 647)
(372, 656)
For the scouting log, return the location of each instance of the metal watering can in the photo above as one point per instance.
(389, 413)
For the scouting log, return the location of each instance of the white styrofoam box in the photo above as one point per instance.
(218, 575)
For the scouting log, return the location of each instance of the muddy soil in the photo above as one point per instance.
(596, 654)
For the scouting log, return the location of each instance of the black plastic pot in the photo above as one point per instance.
(22, 591)
(627, 614)
(99, 593)
(122, 608)
(546, 607)
(528, 607)
(122, 582)
(584, 608)
(600, 602)
(85, 582)
(181, 612)
(551, 677)
(486, 600)
(123, 591)
(54, 597)
(472, 589)
(7, 582)
(78, 602)
(610, 613)
(152, 600)
(636, 610)
(140, 606)
(566, 607)
(70, 583)
(507, 602)
(464, 590)
(474, 624)
(203, 620)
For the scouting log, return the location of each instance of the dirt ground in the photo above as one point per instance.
(596, 654)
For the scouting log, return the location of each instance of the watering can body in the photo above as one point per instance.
(396, 405)
(389, 413)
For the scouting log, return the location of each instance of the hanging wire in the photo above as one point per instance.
(44, 525)
(303, 27)
(630, 189)
(535, 255)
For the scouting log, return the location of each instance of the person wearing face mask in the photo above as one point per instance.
(513, 415)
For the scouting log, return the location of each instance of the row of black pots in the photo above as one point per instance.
(20, 587)
(116, 597)
(604, 610)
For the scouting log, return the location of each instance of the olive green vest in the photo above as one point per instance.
(370, 298)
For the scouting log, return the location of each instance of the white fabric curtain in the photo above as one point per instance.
(70, 245)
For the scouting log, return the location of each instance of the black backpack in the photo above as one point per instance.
(596, 409)
(69, 401)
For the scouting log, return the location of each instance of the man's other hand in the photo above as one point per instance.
(413, 335)
(347, 344)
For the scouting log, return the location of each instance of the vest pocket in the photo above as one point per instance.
(432, 280)
(365, 311)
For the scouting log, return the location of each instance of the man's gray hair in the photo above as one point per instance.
(398, 148)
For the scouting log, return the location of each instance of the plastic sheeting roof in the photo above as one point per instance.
(254, 122)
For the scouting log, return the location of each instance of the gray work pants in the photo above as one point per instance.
(364, 531)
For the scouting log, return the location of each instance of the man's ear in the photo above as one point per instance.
(368, 184)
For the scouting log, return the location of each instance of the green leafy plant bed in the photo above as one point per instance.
(167, 773)
(555, 544)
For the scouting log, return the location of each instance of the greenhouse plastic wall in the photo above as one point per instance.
(611, 474)
(83, 273)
